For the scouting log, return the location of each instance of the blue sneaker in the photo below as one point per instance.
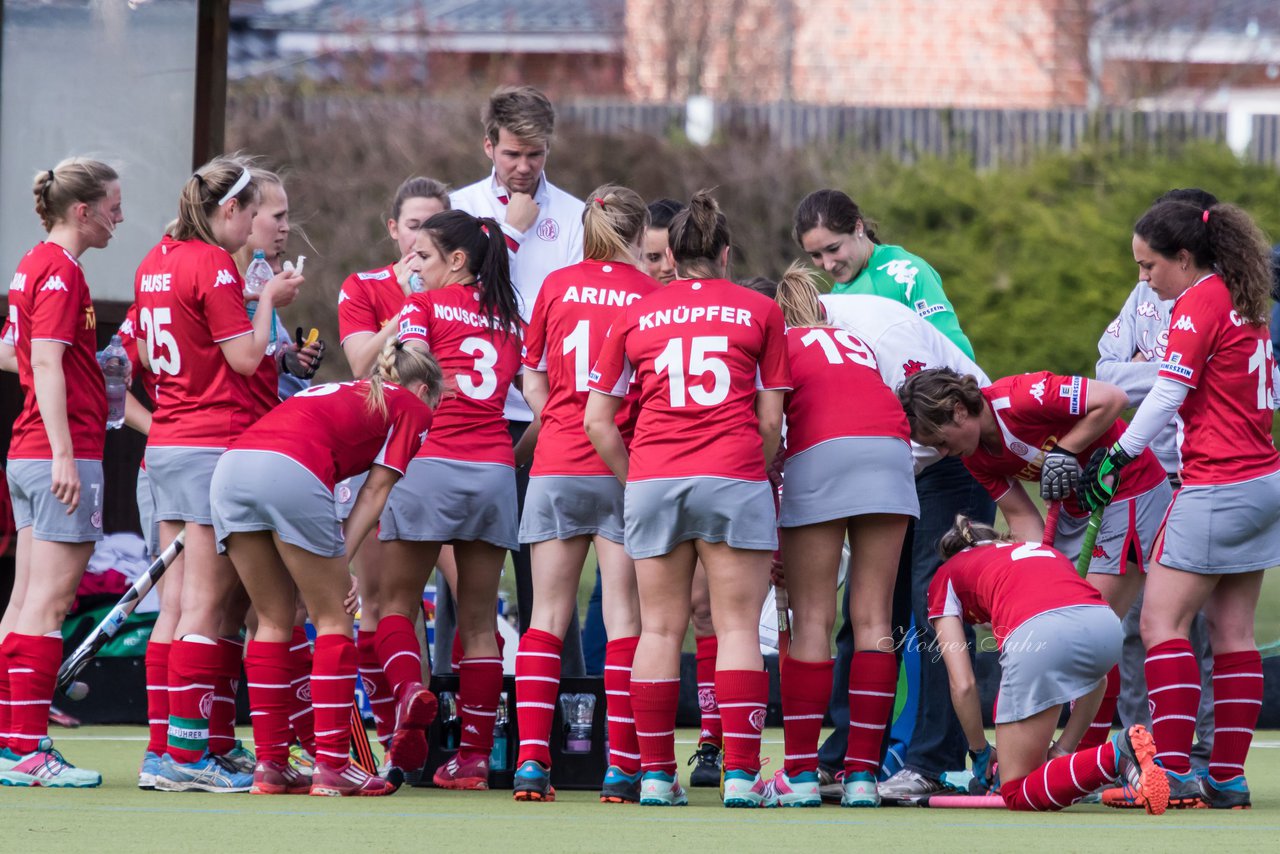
(860, 790)
(742, 789)
(659, 789)
(620, 787)
(802, 790)
(208, 774)
(8, 759)
(242, 758)
(533, 782)
(147, 773)
(1184, 789)
(1231, 794)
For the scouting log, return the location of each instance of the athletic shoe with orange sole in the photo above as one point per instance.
(415, 710)
(1184, 794)
(533, 782)
(464, 772)
(1136, 764)
(1230, 794)
(279, 778)
(349, 781)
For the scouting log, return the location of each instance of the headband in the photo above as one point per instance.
(237, 187)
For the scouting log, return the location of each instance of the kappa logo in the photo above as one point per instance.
(224, 277)
(54, 283)
(911, 367)
(902, 272)
(707, 699)
(342, 297)
(1184, 323)
(19, 282)
(126, 328)
(471, 728)
(1099, 551)
(422, 437)
(757, 720)
(1148, 309)
(1037, 391)
(548, 229)
(1114, 329)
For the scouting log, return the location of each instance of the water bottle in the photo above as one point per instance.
(116, 370)
(499, 757)
(415, 283)
(578, 711)
(257, 276)
(450, 725)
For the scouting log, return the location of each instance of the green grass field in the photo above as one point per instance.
(119, 817)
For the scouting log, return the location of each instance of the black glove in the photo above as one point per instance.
(1060, 474)
(292, 364)
(1101, 477)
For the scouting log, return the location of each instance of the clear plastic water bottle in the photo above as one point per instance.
(450, 725)
(257, 276)
(578, 711)
(499, 757)
(415, 283)
(116, 370)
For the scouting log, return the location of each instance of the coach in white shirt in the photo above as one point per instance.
(543, 227)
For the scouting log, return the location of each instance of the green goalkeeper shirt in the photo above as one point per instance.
(896, 274)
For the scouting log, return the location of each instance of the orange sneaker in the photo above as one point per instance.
(464, 772)
(349, 781)
(1136, 763)
(279, 778)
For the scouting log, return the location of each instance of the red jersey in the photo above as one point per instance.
(49, 301)
(701, 351)
(479, 362)
(571, 317)
(367, 302)
(830, 368)
(1227, 363)
(1034, 411)
(190, 298)
(1006, 584)
(330, 430)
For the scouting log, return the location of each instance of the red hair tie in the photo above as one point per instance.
(1205, 217)
(599, 201)
(484, 229)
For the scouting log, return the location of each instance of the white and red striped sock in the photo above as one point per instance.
(873, 677)
(301, 716)
(806, 693)
(1237, 700)
(377, 687)
(537, 684)
(268, 669)
(479, 689)
(624, 748)
(333, 686)
(742, 695)
(1173, 687)
(157, 670)
(653, 702)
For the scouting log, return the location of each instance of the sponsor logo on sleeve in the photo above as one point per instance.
(54, 283)
(1184, 323)
(594, 376)
(1072, 390)
(224, 277)
(1037, 391)
(90, 318)
(1173, 365)
(408, 327)
(924, 309)
(375, 276)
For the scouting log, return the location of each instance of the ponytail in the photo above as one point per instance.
(213, 185)
(1222, 238)
(74, 180)
(798, 298)
(613, 221)
(832, 210)
(485, 246)
(966, 533)
(401, 365)
(698, 235)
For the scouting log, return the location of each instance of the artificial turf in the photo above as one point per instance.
(119, 817)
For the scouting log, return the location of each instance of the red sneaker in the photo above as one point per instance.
(349, 781)
(279, 778)
(464, 772)
(415, 710)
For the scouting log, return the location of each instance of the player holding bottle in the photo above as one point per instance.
(1057, 640)
(459, 490)
(1223, 528)
(711, 361)
(272, 500)
(369, 305)
(196, 338)
(55, 459)
(573, 500)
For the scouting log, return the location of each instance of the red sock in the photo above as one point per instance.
(537, 684)
(1237, 699)
(1173, 689)
(376, 687)
(459, 652)
(157, 667)
(5, 707)
(33, 669)
(479, 689)
(624, 749)
(712, 730)
(333, 685)
(654, 701)
(193, 668)
(806, 693)
(268, 668)
(743, 694)
(222, 718)
(873, 678)
(301, 717)
(1061, 782)
(399, 652)
(1100, 729)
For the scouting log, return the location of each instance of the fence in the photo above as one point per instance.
(987, 137)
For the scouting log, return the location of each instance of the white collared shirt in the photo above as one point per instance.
(554, 241)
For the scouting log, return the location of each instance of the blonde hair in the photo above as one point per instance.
(797, 296)
(401, 365)
(202, 192)
(965, 533)
(522, 111)
(74, 180)
(698, 235)
(612, 223)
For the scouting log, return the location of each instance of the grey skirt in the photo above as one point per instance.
(558, 507)
(147, 514)
(660, 514)
(1224, 528)
(1127, 526)
(344, 495)
(180, 480)
(440, 501)
(1056, 657)
(35, 507)
(847, 477)
(263, 491)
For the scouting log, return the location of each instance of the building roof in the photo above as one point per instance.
(508, 17)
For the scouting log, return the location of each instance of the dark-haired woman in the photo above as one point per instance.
(837, 236)
(195, 336)
(272, 500)
(1223, 528)
(1057, 641)
(54, 465)
(369, 304)
(459, 490)
(711, 361)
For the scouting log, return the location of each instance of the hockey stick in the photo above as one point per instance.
(1051, 524)
(111, 623)
(361, 749)
(1090, 538)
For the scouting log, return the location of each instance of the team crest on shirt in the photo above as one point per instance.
(90, 318)
(1184, 323)
(53, 283)
(757, 720)
(548, 229)
(96, 519)
(344, 493)
(1037, 391)
(1019, 449)
(224, 277)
